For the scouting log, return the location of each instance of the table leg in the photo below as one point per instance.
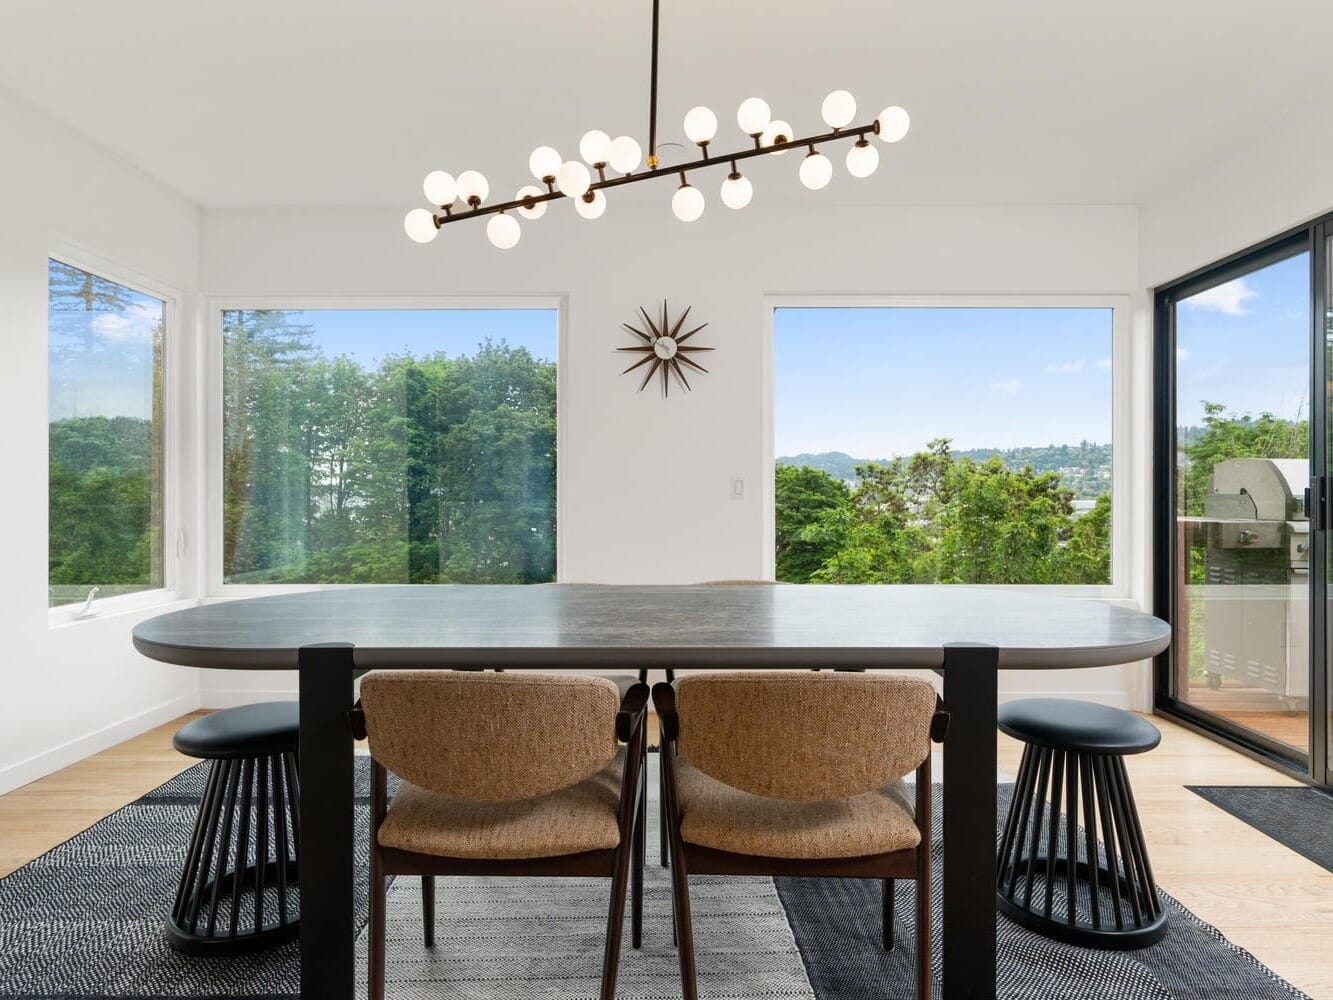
(970, 694)
(327, 804)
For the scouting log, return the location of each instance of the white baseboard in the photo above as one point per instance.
(49, 761)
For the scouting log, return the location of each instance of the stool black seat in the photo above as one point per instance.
(238, 891)
(1052, 878)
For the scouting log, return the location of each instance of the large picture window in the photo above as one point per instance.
(104, 365)
(943, 444)
(389, 446)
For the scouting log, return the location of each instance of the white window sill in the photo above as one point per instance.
(159, 601)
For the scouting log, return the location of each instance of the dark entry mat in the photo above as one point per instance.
(1296, 817)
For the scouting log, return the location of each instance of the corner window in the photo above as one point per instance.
(943, 444)
(104, 363)
(389, 446)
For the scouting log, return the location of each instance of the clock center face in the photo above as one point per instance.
(665, 348)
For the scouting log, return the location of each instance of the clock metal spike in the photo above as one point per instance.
(692, 364)
(645, 347)
(637, 333)
(692, 348)
(647, 378)
(680, 322)
(666, 384)
(686, 336)
(676, 370)
(638, 364)
(650, 323)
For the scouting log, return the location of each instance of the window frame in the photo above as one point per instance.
(213, 587)
(74, 254)
(1125, 450)
(1165, 298)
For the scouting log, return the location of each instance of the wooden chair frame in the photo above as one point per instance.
(618, 863)
(694, 859)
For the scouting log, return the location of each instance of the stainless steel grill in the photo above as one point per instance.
(1256, 613)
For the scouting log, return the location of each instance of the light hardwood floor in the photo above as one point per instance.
(1263, 896)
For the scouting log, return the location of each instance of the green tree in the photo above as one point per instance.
(935, 517)
(813, 515)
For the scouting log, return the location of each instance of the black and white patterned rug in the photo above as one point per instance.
(84, 922)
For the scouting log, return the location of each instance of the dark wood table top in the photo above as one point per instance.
(578, 625)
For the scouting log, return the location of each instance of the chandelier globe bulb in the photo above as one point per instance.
(862, 159)
(625, 154)
(544, 163)
(687, 203)
(573, 178)
(893, 123)
(419, 224)
(440, 188)
(816, 170)
(838, 109)
(503, 231)
(753, 115)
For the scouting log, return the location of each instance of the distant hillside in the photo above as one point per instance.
(1084, 467)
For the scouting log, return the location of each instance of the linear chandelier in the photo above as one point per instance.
(464, 196)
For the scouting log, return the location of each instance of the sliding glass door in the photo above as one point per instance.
(1242, 463)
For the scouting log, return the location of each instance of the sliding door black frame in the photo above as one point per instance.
(1304, 239)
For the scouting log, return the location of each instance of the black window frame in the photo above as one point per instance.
(1311, 238)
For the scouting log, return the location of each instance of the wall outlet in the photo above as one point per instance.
(737, 490)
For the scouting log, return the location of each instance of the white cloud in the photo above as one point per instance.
(1009, 387)
(134, 325)
(1104, 364)
(1067, 367)
(1182, 354)
(1230, 299)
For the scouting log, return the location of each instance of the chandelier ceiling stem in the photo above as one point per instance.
(652, 98)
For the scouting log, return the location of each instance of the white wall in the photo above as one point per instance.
(72, 690)
(1268, 181)
(626, 456)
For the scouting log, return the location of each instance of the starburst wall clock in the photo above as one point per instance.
(664, 349)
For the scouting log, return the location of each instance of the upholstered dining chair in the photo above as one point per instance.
(800, 774)
(502, 774)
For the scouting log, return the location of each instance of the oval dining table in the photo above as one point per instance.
(967, 635)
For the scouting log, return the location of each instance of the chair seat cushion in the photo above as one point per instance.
(573, 820)
(1064, 724)
(715, 815)
(270, 727)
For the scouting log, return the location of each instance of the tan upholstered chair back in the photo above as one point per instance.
(490, 737)
(804, 736)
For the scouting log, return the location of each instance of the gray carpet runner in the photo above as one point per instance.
(84, 922)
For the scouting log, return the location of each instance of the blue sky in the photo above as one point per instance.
(878, 382)
(367, 335)
(100, 364)
(872, 382)
(1246, 344)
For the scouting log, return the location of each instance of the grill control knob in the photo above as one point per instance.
(1246, 537)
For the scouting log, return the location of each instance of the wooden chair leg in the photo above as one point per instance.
(616, 919)
(887, 892)
(925, 971)
(377, 929)
(680, 894)
(428, 909)
(640, 849)
(663, 835)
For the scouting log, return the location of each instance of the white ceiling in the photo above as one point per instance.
(322, 102)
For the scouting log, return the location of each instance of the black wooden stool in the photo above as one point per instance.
(242, 864)
(1050, 879)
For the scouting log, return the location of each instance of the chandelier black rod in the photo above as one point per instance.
(652, 98)
(857, 132)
